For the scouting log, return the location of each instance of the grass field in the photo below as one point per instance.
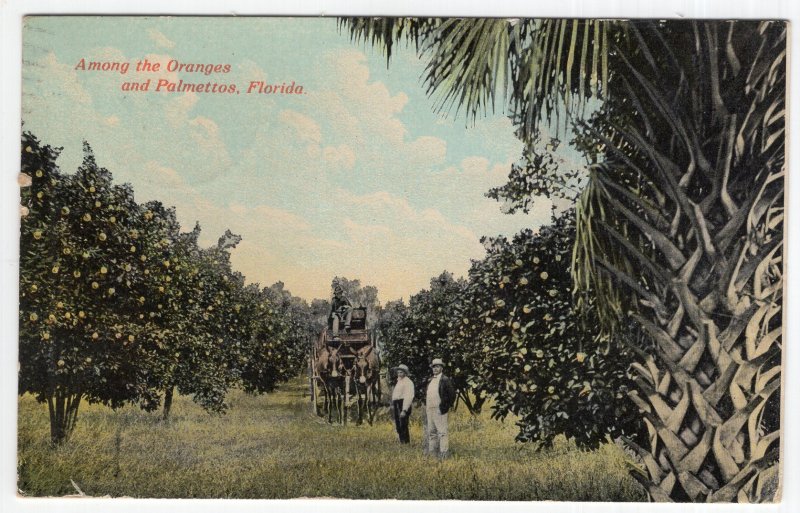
(272, 447)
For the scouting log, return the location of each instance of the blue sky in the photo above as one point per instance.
(357, 177)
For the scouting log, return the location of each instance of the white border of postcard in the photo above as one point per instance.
(11, 12)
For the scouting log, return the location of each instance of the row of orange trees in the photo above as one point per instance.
(118, 305)
(511, 334)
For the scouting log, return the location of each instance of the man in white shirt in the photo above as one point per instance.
(402, 396)
(439, 398)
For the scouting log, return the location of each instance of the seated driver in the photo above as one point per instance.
(341, 310)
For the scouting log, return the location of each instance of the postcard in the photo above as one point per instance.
(506, 259)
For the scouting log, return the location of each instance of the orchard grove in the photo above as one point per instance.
(117, 305)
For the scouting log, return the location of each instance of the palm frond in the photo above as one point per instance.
(468, 64)
(384, 32)
(480, 65)
(547, 81)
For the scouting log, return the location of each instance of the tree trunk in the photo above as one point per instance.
(464, 396)
(62, 407)
(479, 401)
(687, 215)
(168, 402)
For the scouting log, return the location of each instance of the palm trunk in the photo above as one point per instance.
(690, 224)
(710, 394)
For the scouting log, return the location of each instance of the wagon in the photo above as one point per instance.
(344, 371)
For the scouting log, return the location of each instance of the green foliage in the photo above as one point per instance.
(681, 229)
(281, 328)
(79, 284)
(541, 359)
(117, 305)
(511, 333)
(193, 305)
(424, 331)
(537, 175)
(541, 69)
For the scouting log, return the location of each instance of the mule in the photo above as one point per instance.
(330, 369)
(366, 369)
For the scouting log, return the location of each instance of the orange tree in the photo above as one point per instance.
(252, 356)
(538, 357)
(279, 327)
(192, 309)
(299, 328)
(390, 314)
(117, 305)
(79, 336)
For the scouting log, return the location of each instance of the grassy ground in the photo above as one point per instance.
(272, 447)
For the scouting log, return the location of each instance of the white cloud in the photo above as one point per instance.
(266, 216)
(398, 247)
(427, 151)
(248, 70)
(177, 109)
(206, 125)
(341, 156)
(107, 53)
(160, 39)
(475, 165)
(305, 128)
(357, 106)
(65, 76)
(162, 176)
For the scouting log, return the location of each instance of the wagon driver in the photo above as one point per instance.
(341, 310)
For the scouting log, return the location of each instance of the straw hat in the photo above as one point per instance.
(402, 367)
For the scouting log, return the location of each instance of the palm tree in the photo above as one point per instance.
(681, 224)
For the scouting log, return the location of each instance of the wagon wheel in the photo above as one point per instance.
(312, 375)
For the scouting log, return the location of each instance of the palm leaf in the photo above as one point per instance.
(384, 32)
(475, 63)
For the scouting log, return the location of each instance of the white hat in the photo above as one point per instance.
(402, 367)
(437, 361)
